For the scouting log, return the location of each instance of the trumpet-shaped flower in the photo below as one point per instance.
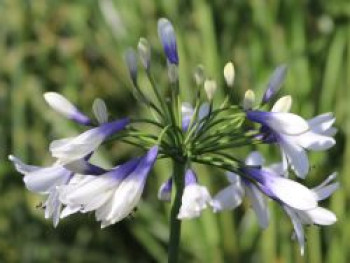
(112, 195)
(231, 196)
(63, 106)
(195, 197)
(317, 215)
(45, 180)
(70, 149)
(294, 134)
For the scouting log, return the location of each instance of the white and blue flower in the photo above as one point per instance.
(112, 195)
(232, 196)
(294, 134)
(195, 197)
(45, 180)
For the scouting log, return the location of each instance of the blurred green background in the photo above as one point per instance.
(76, 48)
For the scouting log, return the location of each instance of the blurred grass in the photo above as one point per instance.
(76, 48)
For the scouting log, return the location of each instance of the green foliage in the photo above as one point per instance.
(76, 48)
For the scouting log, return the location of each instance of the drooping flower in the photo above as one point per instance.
(294, 134)
(317, 215)
(70, 149)
(231, 196)
(195, 197)
(63, 106)
(45, 180)
(112, 195)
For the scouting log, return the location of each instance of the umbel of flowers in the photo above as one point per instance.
(187, 133)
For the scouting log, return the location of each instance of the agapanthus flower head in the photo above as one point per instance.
(63, 106)
(200, 132)
(167, 37)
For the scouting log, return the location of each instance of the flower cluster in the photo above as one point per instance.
(205, 132)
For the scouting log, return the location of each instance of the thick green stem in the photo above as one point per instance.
(175, 224)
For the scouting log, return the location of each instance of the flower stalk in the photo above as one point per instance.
(175, 224)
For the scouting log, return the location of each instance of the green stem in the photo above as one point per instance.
(175, 224)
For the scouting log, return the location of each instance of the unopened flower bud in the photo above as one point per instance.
(199, 75)
(144, 50)
(249, 99)
(275, 83)
(167, 36)
(131, 62)
(210, 87)
(229, 74)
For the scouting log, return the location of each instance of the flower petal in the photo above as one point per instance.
(255, 159)
(315, 142)
(296, 156)
(298, 228)
(100, 111)
(321, 216)
(228, 198)
(259, 205)
(283, 104)
(280, 122)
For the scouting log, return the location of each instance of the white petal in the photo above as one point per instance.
(228, 198)
(315, 142)
(298, 228)
(22, 167)
(296, 157)
(325, 191)
(126, 198)
(68, 210)
(283, 104)
(43, 180)
(233, 178)
(70, 149)
(255, 159)
(194, 199)
(323, 121)
(60, 104)
(291, 193)
(100, 111)
(83, 192)
(321, 216)
(259, 205)
(287, 123)
(278, 168)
